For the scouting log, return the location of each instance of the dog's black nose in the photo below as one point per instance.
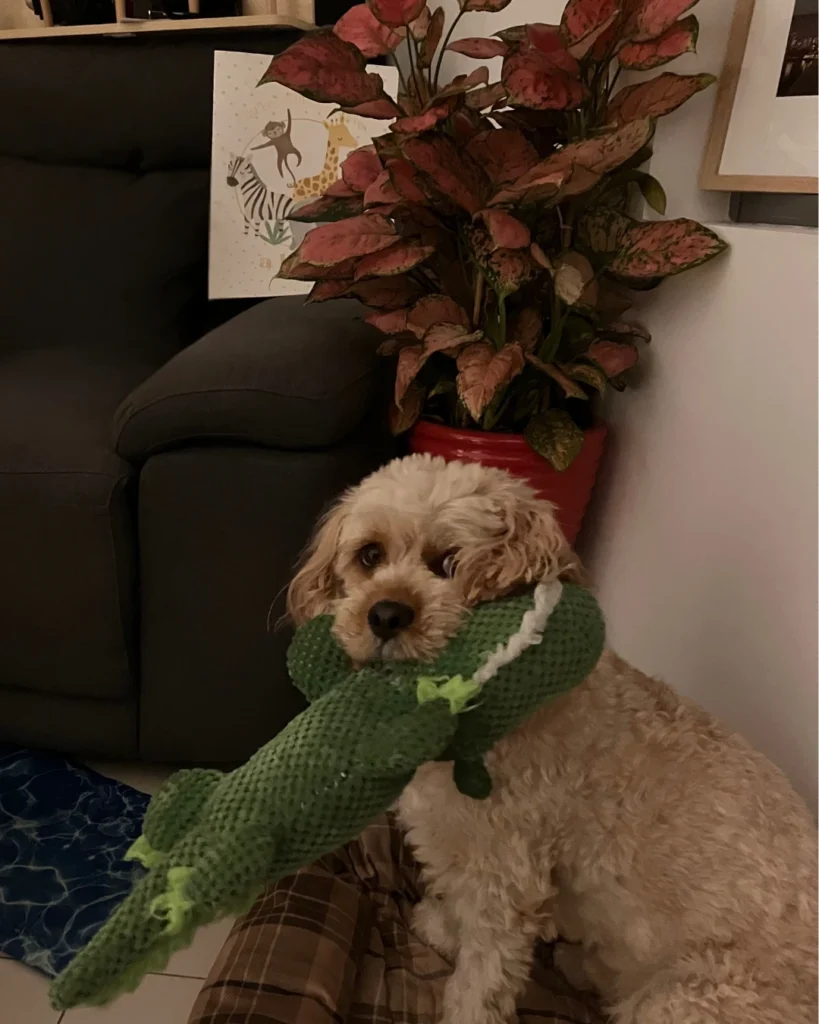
(388, 618)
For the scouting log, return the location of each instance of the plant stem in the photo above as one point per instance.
(412, 42)
(410, 55)
(566, 228)
(613, 81)
(502, 319)
(478, 303)
(401, 78)
(434, 78)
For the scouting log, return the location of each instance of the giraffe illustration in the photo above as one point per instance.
(339, 137)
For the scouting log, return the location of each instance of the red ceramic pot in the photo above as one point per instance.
(569, 490)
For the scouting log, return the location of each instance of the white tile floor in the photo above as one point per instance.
(161, 999)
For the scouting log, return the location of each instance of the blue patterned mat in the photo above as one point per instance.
(63, 831)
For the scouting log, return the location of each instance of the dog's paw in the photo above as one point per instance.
(433, 924)
(467, 1002)
(570, 959)
(472, 1015)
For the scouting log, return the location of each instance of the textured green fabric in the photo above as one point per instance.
(213, 841)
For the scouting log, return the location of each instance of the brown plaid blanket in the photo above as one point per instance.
(332, 944)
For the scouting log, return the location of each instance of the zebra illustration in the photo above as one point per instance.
(263, 210)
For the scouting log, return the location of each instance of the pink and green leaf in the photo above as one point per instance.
(295, 268)
(392, 321)
(479, 48)
(422, 122)
(327, 69)
(463, 84)
(432, 37)
(447, 337)
(548, 40)
(586, 373)
(410, 361)
(627, 329)
(330, 244)
(401, 419)
(570, 389)
(323, 291)
(492, 6)
(506, 270)
(504, 155)
(435, 309)
(482, 371)
(396, 13)
(405, 181)
(397, 260)
(649, 19)
(453, 175)
(612, 357)
(536, 186)
(680, 38)
(506, 231)
(656, 97)
(584, 18)
(533, 81)
(601, 229)
(554, 435)
(381, 191)
(574, 279)
(360, 169)
(328, 208)
(381, 108)
(488, 96)
(525, 328)
(340, 190)
(662, 248)
(360, 27)
(386, 293)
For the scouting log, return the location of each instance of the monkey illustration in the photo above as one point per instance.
(277, 134)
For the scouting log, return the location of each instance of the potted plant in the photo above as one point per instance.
(488, 228)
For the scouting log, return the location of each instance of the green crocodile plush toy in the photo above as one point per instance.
(212, 841)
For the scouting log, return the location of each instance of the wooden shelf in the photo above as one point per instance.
(299, 15)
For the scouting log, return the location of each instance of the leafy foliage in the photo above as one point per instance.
(488, 228)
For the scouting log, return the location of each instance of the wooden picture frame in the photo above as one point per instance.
(711, 176)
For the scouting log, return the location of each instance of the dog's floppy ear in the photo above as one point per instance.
(528, 547)
(315, 585)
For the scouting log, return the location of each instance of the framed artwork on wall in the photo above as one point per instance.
(764, 135)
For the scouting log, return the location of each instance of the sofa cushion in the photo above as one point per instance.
(142, 102)
(66, 530)
(101, 258)
(282, 375)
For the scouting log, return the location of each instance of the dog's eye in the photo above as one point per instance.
(370, 556)
(443, 565)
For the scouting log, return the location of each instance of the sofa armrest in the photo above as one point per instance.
(281, 374)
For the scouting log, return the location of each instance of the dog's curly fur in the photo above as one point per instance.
(676, 863)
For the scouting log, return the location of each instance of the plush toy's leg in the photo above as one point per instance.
(175, 810)
(219, 873)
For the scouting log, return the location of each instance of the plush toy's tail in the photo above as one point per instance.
(159, 917)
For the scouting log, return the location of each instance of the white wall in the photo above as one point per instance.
(703, 535)
(15, 14)
(702, 538)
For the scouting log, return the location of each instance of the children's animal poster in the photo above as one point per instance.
(272, 152)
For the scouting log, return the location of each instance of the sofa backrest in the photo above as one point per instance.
(104, 184)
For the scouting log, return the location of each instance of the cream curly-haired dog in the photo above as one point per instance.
(676, 862)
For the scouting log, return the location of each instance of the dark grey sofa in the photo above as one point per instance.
(162, 458)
